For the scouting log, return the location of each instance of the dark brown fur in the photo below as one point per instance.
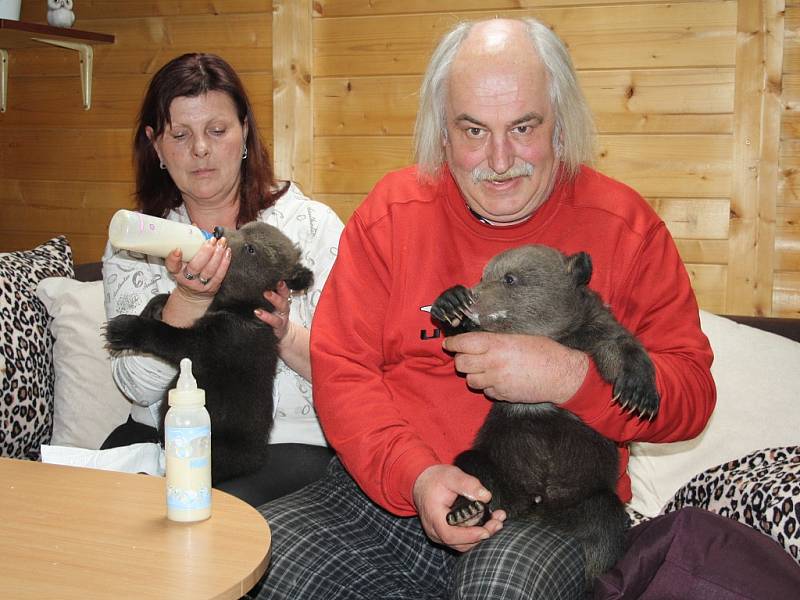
(540, 461)
(234, 355)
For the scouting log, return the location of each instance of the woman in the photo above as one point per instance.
(199, 159)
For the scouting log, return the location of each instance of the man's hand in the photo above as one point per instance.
(435, 490)
(518, 368)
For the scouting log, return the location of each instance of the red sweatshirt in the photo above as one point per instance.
(386, 393)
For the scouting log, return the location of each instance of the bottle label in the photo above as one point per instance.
(188, 452)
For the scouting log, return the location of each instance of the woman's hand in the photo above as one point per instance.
(279, 318)
(197, 281)
(203, 274)
(293, 339)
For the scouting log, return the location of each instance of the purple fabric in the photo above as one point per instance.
(696, 554)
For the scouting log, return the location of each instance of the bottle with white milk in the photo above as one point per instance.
(187, 441)
(138, 232)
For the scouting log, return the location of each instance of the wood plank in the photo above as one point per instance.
(669, 165)
(342, 165)
(790, 125)
(786, 295)
(66, 154)
(694, 218)
(45, 194)
(792, 18)
(703, 251)
(352, 8)
(787, 238)
(385, 105)
(58, 219)
(343, 204)
(85, 248)
(657, 166)
(624, 101)
(22, 34)
(791, 53)
(708, 283)
(48, 102)
(756, 151)
(660, 101)
(144, 45)
(293, 119)
(645, 36)
(36, 10)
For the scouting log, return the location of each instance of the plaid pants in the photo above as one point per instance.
(329, 541)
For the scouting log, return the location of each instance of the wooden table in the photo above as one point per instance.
(76, 533)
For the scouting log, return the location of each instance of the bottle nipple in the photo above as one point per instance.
(186, 380)
(186, 392)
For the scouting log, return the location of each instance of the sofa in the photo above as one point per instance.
(57, 389)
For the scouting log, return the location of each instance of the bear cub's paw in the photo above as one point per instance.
(466, 513)
(123, 332)
(635, 390)
(452, 307)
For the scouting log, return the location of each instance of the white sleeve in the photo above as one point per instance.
(130, 280)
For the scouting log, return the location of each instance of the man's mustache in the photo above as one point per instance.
(522, 170)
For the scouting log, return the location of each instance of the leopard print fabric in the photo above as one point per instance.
(761, 490)
(26, 347)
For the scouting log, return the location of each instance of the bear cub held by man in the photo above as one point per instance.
(234, 355)
(541, 462)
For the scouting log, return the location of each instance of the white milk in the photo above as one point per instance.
(138, 232)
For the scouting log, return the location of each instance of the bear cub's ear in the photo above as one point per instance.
(580, 267)
(299, 278)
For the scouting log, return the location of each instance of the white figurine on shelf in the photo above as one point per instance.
(59, 13)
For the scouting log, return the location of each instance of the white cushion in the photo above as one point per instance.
(88, 405)
(758, 406)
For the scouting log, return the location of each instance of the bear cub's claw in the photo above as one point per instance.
(635, 391)
(453, 306)
(122, 333)
(467, 513)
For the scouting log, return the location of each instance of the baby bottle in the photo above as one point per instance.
(187, 441)
(138, 232)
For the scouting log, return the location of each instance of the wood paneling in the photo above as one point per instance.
(633, 36)
(697, 105)
(624, 101)
(354, 8)
(756, 146)
(294, 116)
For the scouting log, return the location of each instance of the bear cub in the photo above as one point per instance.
(234, 355)
(541, 462)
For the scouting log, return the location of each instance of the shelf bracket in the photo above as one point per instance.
(3, 79)
(86, 56)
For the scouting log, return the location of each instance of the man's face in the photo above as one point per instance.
(499, 135)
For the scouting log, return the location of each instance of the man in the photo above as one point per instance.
(502, 131)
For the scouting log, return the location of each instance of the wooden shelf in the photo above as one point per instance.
(19, 34)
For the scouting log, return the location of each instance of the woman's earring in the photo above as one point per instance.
(162, 166)
(244, 152)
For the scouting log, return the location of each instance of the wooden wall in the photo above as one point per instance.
(66, 170)
(697, 104)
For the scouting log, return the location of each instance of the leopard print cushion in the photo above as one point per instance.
(761, 490)
(26, 347)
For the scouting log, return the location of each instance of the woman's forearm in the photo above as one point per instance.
(294, 350)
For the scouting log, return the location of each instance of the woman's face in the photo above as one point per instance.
(202, 148)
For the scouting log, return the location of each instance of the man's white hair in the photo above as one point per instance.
(574, 132)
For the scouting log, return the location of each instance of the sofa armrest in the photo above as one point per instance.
(789, 328)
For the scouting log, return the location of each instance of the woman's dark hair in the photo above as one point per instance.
(192, 75)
